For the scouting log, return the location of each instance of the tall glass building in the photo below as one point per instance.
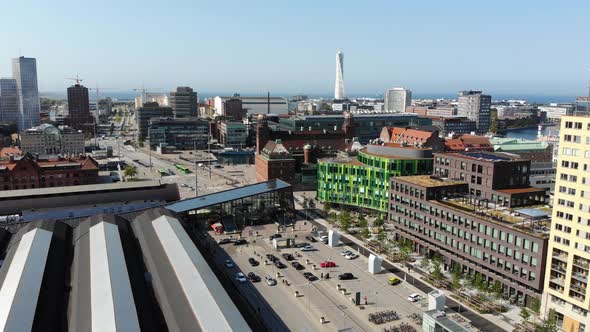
(24, 71)
(9, 111)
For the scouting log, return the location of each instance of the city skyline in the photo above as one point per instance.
(455, 47)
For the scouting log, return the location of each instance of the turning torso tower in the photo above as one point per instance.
(339, 87)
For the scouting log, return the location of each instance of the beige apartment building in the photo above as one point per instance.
(566, 289)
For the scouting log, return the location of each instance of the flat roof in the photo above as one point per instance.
(77, 189)
(445, 322)
(535, 213)
(227, 195)
(428, 181)
(520, 190)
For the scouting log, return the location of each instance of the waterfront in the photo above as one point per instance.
(531, 133)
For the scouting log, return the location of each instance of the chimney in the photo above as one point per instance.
(307, 154)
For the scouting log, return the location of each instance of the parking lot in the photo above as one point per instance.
(319, 298)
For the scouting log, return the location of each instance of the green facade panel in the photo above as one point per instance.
(366, 184)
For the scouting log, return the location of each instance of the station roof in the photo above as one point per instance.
(204, 201)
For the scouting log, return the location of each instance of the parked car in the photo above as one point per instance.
(346, 276)
(288, 257)
(311, 238)
(270, 281)
(346, 253)
(309, 276)
(253, 261)
(241, 277)
(324, 239)
(327, 264)
(351, 256)
(280, 264)
(275, 236)
(224, 241)
(307, 248)
(272, 257)
(414, 297)
(253, 277)
(240, 242)
(229, 264)
(184, 185)
(394, 281)
(297, 266)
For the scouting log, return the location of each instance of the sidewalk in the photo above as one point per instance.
(484, 322)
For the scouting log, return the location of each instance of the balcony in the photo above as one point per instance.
(558, 268)
(583, 264)
(561, 257)
(580, 276)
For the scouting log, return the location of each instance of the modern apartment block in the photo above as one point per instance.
(9, 110)
(361, 178)
(145, 113)
(181, 134)
(24, 71)
(475, 106)
(47, 139)
(233, 134)
(566, 280)
(497, 178)
(397, 99)
(439, 217)
(184, 102)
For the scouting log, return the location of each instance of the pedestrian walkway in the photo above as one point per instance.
(482, 322)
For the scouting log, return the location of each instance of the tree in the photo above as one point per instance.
(365, 233)
(327, 207)
(497, 288)
(332, 217)
(525, 314)
(494, 122)
(480, 282)
(536, 305)
(381, 236)
(548, 325)
(457, 273)
(362, 222)
(405, 248)
(130, 171)
(345, 220)
(378, 222)
(436, 269)
(425, 264)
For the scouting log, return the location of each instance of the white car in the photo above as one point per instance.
(241, 277)
(414, 297)
(229, 264)
(352, 255)
(307, 248)
(184, 185)
(346, 253)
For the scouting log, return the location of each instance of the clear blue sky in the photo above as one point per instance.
(503, 47)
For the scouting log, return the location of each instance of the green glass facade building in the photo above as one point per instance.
(363, 180)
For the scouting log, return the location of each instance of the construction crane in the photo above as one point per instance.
(77, 79)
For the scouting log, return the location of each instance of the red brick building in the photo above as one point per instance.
(468, 143)
(29, 172)
(274, 161)
(414, 137)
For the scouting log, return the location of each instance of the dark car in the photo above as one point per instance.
(280, 264)
(253, 277)
(240, 242)
(224, 241)
(309, 276)
(297, 266)
(311, 238)
(272, 257)
(288, 257)
(275, 236)
(253, 262)
(346, 276)
(301, 245)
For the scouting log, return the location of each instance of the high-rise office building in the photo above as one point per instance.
(184, 102)
(566, 291)
(339, 87)
(475, 106)
(9, 111)
(24, 71)
(78, 106)
(145, 113)
(397, 99)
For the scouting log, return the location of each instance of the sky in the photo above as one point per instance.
(517, 47)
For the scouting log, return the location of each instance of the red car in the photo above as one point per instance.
(327, 264)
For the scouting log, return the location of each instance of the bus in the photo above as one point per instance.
(182, 168)
(163, 172)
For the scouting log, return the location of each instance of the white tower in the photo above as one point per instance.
(339, 87)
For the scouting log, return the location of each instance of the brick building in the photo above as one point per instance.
(29, 172)
(408, 136)
(495, 177)
(275, 162)
(472, 143)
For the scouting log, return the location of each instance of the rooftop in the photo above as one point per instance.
(484, 156)
(204, 201)
(429, 181)
(8, 194)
